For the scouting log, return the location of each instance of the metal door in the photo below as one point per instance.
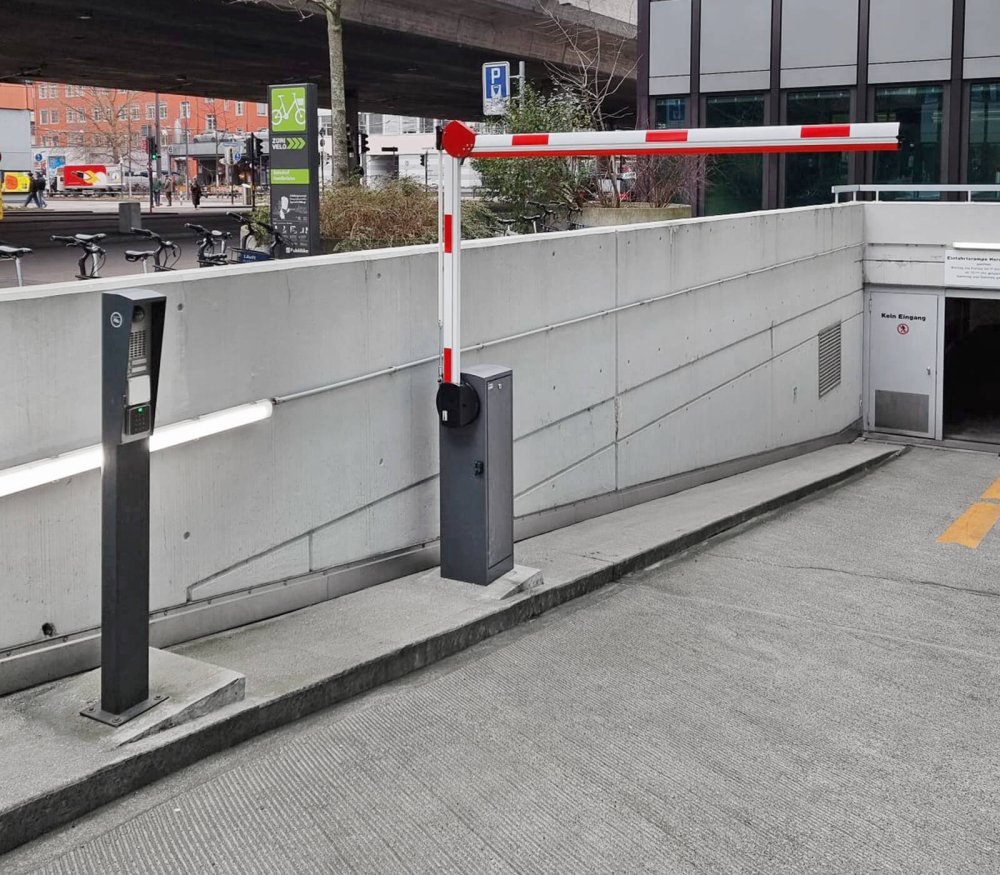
(902, 339)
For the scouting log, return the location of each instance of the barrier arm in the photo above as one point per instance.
(459, 141)
(475, 407)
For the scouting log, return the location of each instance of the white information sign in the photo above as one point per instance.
(972, 269)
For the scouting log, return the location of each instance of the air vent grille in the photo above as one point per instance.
(829, 359)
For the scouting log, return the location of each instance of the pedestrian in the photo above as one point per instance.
(36, 185)
(195, 193)
(157, 187)
(168, 187)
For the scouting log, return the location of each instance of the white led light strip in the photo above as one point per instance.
(33, 474)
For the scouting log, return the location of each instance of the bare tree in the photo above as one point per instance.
(595, 69)
(331, 10)
(109, 117)
(596, 66)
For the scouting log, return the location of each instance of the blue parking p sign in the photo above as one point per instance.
(496, 87)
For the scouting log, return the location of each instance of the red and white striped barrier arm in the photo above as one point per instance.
(460, 141)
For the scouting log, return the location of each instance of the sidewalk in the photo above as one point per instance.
(59, 766)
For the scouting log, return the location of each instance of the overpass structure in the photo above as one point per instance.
(415, 57)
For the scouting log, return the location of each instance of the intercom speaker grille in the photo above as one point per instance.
(829, 359)
(137, 344)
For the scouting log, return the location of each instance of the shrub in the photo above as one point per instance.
(399, 213)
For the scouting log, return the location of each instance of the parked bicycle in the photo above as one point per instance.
(165, 256)
(211, 246)
(245, 253)
(15, 254)
(93, 257)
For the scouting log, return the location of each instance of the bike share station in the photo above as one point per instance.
(475, 406)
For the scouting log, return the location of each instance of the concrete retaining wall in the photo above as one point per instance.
(339, 489)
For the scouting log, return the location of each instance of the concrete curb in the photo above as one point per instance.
(36, 816)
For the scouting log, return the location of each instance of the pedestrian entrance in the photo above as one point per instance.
(972, 369)
(933, 365)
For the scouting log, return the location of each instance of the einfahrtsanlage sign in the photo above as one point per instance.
(294, 149)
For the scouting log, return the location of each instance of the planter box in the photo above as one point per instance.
(631, 214)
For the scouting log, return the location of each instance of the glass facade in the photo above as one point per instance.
(735, 182)
(919, 111)
(984, 134)
(670, 112)
(809, 175)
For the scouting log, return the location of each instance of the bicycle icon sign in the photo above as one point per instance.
(288, 109)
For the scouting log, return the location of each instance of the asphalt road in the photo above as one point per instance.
(817, 692)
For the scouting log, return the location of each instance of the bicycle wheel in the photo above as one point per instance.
(300, 116)
(277, 116)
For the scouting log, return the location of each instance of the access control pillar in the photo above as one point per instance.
(477, 475)
(132, 336)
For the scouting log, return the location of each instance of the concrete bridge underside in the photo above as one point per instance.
(416, 57)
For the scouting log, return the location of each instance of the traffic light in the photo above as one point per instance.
(364, 143)
(248, 148)
(152, 149)
(423, 159)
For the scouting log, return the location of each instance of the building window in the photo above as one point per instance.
(96, 114)
(147, 131)
(68, 90)
(261, 109)
(163, 111)
(984, 133)
(210, 122)
(919, 110)
(44, 116)
(810, 175)
(736, 182)
(670, 112)
(185, 109)
(133, 113)
(239, 107)
(150, 111)
(54, 116)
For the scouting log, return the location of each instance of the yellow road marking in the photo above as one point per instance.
(973, 525)
(993, 492)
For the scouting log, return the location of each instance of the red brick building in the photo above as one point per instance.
(108, 125)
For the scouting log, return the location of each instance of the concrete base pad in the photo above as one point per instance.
(519, 579)
(187, 689)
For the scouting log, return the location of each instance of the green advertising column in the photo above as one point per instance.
(294, 162)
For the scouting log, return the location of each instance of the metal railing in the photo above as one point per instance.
(969, 190)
